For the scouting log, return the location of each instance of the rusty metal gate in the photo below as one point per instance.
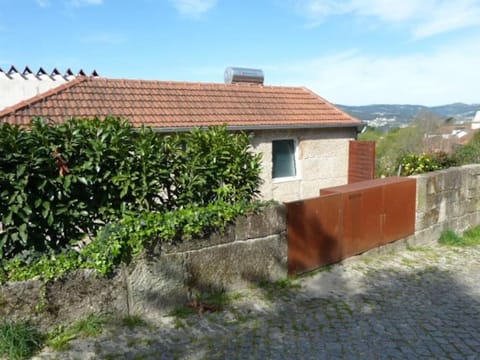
(361, 161)
(348, 220)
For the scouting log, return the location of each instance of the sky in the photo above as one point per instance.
(351, 52)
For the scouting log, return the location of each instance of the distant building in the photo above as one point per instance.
(476, 121)
(448, 137)
(16, 86)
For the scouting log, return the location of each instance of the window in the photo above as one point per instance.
(283, 158)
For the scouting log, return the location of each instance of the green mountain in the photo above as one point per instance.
(387, 116)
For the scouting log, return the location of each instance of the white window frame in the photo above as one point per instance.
(296, 159)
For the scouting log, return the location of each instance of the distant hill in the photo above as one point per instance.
(385, 116)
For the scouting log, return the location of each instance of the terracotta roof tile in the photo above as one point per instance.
(172, 105)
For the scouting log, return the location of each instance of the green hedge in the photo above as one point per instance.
(60, 183)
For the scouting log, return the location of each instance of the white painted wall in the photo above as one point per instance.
(17, 87)
(322, 161)
(476, 121)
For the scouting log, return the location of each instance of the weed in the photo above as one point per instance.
(133, 321)
(279, 288)
(179, 324)
(449, 237)
(469, 238)
(220, 299)
(418, 248)
(60, 342)
(472, 237)
(91, 326)
(282, 284)
(182, 312)
(411, 263)
(204, 303)
(19, 340)
(325, 268)
(346, 307)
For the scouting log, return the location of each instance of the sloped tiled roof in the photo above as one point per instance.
(176, 105)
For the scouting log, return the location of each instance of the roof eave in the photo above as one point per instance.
(358, 125)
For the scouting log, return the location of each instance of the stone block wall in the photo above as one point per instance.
(447, 199)
(253, 249)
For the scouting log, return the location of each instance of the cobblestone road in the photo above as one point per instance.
(408, 304)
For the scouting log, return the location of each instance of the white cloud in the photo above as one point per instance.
(43, 3)
(450, 74)
(385, 10)
(193, 8)
(317, 10)
(449, 16)
(79, 3)
(423, 18)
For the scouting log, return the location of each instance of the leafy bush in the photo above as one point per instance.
(55, 184)
(469, 153)
(412, 164)
(60, 183)
(444, 159)
(466, 154)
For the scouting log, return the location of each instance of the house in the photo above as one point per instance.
(16, 85)
(303, 138)
(449, 137)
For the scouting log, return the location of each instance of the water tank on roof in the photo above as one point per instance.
(242, 75)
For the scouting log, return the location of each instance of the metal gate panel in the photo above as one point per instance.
(314, 233)
(362, 220)
(361, 161)
(348, 220)
(399, 208)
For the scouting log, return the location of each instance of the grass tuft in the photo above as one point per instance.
(279, 288)
(472, 237)
(282, 284)
(91, 326)
(221, 298)
(469, 238)
(19, 340)
(182, 312)
(449, 237)
(133, 321)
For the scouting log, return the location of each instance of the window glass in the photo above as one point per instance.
(283, 156)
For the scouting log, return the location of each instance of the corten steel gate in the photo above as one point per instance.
(348, 220)
(361, 161)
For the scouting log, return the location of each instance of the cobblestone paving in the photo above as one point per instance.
(408, 304)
